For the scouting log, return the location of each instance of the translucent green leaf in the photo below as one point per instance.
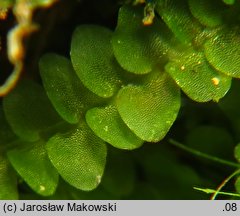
(197, 78)
(6, 4)
(108, 125)
(237, 152)
(8, 180)
(93, 60)
(28, 110)
(79, 156)
(223, 51)
(237, 184)
(139, 48)
(179, 19)
(69, 97)
(149, 110)
(209, 13)
(6, 134)
(229, 2)
(31, 161)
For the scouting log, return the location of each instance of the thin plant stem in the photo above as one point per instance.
(211, 191)
(204, 155)
(213, 197)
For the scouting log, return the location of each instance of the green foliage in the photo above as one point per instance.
(230, 2)
(197, 78)
(93, 60)
(137, 48)
(209, 13)
(8, 180)
(223, 51)
(122, 87)
(154, 105)
(6, 3)
(26, 158)
(108, 125)
(58, 76)
(79, 156)
(28, 110)
(177, 16)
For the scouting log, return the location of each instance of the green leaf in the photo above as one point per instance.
(139, 48)
(93, 60)
(28, 110)
(6, 134)
(79, 156)
(237, 152)
(237, 184)
(209, 13)
(229, 2)
(31, 162)
(6, 4)
(67, 94)
(108, 125)
(197, 78)
(223, 51)
(8, 180)
(179, 19)
(149, 110)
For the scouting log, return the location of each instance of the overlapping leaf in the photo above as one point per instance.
(237, 152)
(31, 161)
(93, 60)
(79, 156)
(209, 13)
(229, 2)
(179, 19)
(8, 180)
(108, 125)
(223, 51)
(69, 97)
(28, 110)
(6, 134)
(237, 184)
(139, 48)
(149, 110)
(197, 78)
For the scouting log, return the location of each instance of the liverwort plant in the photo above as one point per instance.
(120, 88)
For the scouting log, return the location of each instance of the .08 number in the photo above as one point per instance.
(231, 207)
